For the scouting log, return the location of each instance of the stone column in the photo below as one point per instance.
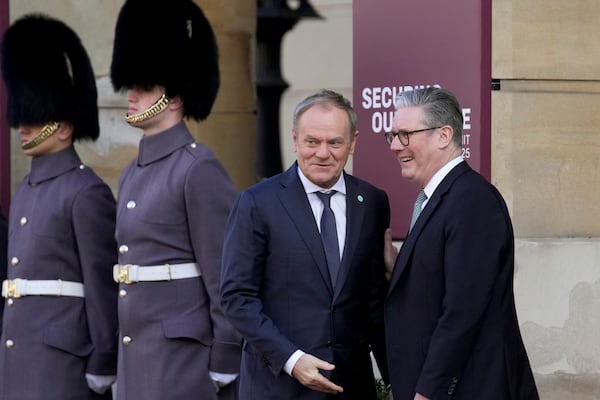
(230, 130)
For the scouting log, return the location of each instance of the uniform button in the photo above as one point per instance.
(329, 344)
(122, 293)
(81, 166)
(193, 145)
(14, 261)
(126, 340)
(10, 302)
(9, 344)
(123, 249)
(23, 221)
(131, 204)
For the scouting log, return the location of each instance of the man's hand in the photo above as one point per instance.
(420, 397)
(389, 253)
(306, 371)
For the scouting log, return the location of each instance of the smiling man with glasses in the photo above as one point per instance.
(451, 324)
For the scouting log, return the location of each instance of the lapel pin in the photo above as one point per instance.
(360, 198)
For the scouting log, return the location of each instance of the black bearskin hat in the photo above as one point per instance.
(168, 43)
(48, 76)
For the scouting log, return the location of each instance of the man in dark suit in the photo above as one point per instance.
(451, 324)
(309, 316)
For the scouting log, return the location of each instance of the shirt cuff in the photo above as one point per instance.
(291, 362)
(222, 379)
(100, 383)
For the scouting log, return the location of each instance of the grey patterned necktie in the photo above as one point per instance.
(417, 209)
(329, 235)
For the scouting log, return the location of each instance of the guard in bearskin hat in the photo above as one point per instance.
(174, 200)
(59, 317)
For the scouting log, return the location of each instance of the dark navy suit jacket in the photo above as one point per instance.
(277, 292)
(451, 324)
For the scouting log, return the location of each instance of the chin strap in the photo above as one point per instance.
(156, 108)
(48, 130)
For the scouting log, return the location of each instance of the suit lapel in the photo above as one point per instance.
(355, 212)
(295, 202)
(432, 205)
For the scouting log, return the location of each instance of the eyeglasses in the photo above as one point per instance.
(404, 136)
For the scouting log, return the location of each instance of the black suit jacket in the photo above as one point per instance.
(451, 324)
(277, 292)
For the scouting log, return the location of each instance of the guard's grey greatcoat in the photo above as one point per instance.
(61, 226)
(173, 204)
(3, 249)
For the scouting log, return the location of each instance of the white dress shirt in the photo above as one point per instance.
(338, 205)
(438, 177)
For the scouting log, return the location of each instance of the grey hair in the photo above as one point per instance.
(326, 98)
(440, 107)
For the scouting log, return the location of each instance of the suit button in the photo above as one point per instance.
(9, 344)
(10, 302)
(131, 204)
(126, 340)
(123, 249)
(122, 293)
(14, 261)
(23, 221)
(329, 344)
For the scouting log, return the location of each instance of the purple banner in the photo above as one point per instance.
(400, 45)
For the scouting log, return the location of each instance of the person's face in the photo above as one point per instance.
(139, 99)
(54, 143)
(421, 158)
(323, 143)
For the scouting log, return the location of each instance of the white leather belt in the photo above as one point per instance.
(130, 273)
(22, 287)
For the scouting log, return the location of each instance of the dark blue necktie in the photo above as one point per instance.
(329, 235)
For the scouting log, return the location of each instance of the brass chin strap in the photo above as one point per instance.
(156, 108)
(48, 130)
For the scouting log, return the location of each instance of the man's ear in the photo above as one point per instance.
(446, 133)
(353, 140)
(175, 103)
(295, 140)
(65, 131)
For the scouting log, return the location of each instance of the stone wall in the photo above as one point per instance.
(546, 162)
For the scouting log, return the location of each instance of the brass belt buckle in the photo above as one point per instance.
(11, 288)
(123, 274)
